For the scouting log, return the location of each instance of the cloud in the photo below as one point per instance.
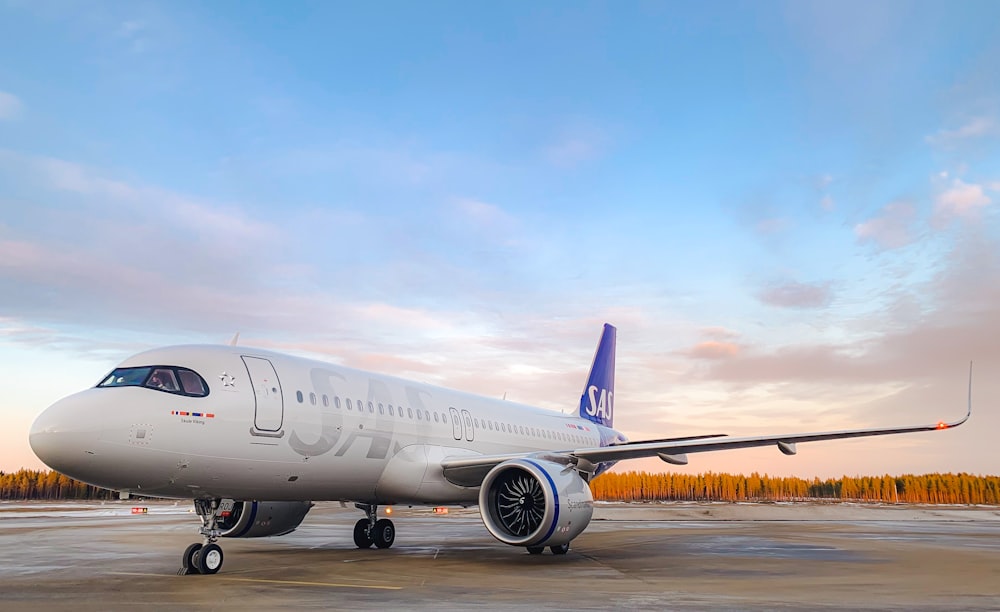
(827, 203)
(713, 349)
(128, 29)
(961, 200)
(144, 204)
(571, 152)
(797, 295)
(976, 127)
(481, 213)
(10, 106)
(575, 144)
(68, 176)
(893, 229)
(123, 254)
(719, 333)
(774, 225)
(136, 33)
(961, 322)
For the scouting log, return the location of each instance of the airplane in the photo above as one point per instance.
(255, 436)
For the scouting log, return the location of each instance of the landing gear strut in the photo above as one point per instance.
(205, 558)
(372, 530)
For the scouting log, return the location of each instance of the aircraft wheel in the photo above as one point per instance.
(535, 550)
(362, 537)
(385, 533)
(562, 549)
(189, 562)
(210, 559)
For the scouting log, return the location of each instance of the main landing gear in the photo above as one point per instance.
(373, 530)
(204, 558)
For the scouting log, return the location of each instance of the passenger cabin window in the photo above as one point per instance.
(180, 381)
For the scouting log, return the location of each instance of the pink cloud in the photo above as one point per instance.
(797, 295)
(713, 349)
(961, 200)
(893, 229)
(719, 333)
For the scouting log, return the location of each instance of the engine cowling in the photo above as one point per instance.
(531, 502)
(258, 519)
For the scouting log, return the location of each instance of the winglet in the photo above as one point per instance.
(968, 412)
(236, 338)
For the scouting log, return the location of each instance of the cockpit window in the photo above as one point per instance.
(162, 379)
(126, 377)
(181, 381)
(191, 383)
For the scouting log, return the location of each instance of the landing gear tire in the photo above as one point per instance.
(189, 562)
(210, 559)
(384, 534)
(562, 549)
(362, 534)
(535, 550)
(206, 557)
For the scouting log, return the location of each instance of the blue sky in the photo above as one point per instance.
(788, 209)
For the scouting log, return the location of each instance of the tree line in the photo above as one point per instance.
(949, 488)
(645, 486)
(38, 484)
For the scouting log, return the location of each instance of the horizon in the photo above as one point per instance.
(788, 210)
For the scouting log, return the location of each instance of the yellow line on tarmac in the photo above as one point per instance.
(271, 581)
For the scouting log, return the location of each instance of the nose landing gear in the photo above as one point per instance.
(207, 557)
(372, 530)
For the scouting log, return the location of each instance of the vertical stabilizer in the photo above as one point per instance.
(597, 401)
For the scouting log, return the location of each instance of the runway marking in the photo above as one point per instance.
(272, 581)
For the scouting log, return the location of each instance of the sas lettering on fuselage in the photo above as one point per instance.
(600, 407)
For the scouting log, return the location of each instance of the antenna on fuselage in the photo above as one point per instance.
(235, 339)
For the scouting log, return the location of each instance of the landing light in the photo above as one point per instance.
(388, 510)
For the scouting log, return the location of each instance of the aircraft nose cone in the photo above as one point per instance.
(62, 437)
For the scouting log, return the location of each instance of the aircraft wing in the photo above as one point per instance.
(470, 471)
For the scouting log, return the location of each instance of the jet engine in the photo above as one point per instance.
(258, 519)
(534, 502)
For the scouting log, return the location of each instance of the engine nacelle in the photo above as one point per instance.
(258, 519)
(533, 502)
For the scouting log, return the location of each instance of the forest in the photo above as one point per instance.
(645, 486)
(909, 488)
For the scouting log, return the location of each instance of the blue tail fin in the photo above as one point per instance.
(597, 401)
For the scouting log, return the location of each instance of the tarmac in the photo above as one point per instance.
(681, 556)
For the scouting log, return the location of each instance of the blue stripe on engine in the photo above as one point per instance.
(253, 517)
(555, 496)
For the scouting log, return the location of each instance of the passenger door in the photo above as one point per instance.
(470, 431)
(270, 407)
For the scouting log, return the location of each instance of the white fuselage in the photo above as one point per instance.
(278, 427)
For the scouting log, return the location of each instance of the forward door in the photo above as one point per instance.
(270, 407)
